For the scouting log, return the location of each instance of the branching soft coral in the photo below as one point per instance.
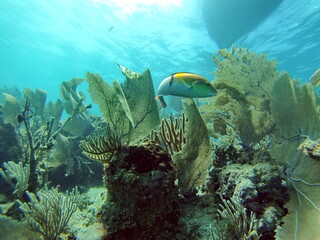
(171, 134)
(50, 213)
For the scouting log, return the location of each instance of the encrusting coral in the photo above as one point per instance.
(258, 188)
(142, 201)
(311, 148)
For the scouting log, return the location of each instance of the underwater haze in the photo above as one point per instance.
(46, 42)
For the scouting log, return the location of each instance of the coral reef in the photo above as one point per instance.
(256, 140)
(261, 116)
(315, 78)
(14, 91)
(84, 222)
(47, 144)
(142, 201)
(54, 111)
(38, 126)
(258, 188)
(66, 163)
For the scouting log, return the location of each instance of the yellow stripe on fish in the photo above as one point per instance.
(185, 84)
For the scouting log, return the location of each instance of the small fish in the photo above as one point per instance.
(315, 78)
(185, 84)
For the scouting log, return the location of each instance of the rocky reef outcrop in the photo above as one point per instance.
(142, 201)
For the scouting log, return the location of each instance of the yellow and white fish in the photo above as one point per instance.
(185, 84)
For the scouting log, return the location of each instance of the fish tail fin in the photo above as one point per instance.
(162, 102)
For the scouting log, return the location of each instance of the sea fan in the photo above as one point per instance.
(302, 220)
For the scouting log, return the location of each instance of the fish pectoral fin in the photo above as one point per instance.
(194, 84)
(186, 84)
(161, 100)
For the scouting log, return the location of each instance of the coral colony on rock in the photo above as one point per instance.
(243, 164)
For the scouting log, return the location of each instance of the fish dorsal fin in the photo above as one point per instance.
(182, 72)
(177, 73)
(180, 79)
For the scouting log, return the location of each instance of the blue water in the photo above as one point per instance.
(45, 42)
